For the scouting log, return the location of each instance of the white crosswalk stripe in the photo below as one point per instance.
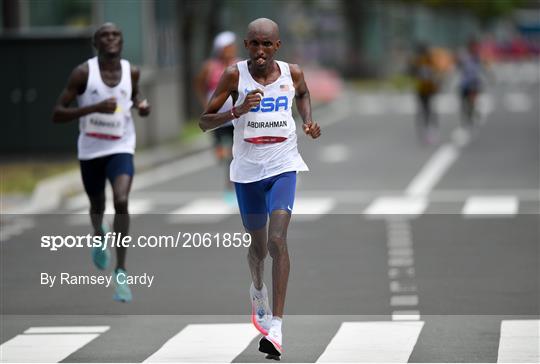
(390, 342)
(397, 206)
(48, 344)
(15, 225)
(361, 341)
(209, 210)
(447, 103)
(309, 209)
(206, 343)
(403, 104)
(517, 102)
(491, 206)
(204, 210)
(519, 341)
(136, 207)
(334, 153)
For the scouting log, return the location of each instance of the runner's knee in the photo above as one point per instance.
(97, 205)
(277, 245)
(121, 204)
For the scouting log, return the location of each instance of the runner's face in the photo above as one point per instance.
(261, 48)
(109, 41)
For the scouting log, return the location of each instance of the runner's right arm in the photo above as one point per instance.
(211, 118)
(76, 85)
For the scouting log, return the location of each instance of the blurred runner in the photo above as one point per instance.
(106, 88)
(224, 55)
(265, 162)
(471, 69)
(424, 71)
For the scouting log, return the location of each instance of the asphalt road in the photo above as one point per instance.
(400, 251)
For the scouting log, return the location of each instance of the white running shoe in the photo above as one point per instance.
(271, 343)
(261, 314)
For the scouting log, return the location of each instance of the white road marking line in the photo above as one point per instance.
(401, 251)
(163, 173)
(490, 205)
(47, 348)
(404, 104)
(411, 315)
(15, 225)
(135, 206)
(446, 104)
(396, 206)
(334, 153)
(370, 104)
(461, 137)
(519, 341)
(517, 102)
(485, 104)
(399, 244)
(433, 171)
(206, 343)
(310, 209)
(169, 171)
(399, 237)
(400, 262)
(401, 287)
(206, 210)
(401, 269)
(337, 112)
(354, 342)
(401, 272)
(67, 330)
(349, 196)
(203, 210)
(405, 300)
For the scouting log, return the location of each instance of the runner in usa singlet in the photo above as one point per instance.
(265, 138)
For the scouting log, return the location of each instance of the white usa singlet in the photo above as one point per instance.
(105, 134)
(265, 138)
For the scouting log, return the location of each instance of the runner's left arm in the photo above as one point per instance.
(303, 102)
(142, 106)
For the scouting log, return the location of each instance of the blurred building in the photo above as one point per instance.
(170, 39)
(43, 40)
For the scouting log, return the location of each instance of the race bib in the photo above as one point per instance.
(266, 130)
(104, 126)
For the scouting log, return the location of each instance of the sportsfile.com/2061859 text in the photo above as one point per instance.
(180, 240)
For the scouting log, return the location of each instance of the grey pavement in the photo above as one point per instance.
(455, 280)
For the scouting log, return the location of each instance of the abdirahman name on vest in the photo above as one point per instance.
(110, 124)
(267, 124)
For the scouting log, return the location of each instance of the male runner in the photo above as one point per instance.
(265, 162)
(106, 88)
(426, 78)
(471, 79)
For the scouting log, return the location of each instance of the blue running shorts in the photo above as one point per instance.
(95, 171)
(257, 200)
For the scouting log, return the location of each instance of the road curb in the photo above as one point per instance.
(50, 192)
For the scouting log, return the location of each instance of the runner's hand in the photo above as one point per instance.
(312, 129)
(143, 107)
(253, 98)
(107, 106)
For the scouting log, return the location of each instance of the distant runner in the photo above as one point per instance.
(224, 55)
(106, 88)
